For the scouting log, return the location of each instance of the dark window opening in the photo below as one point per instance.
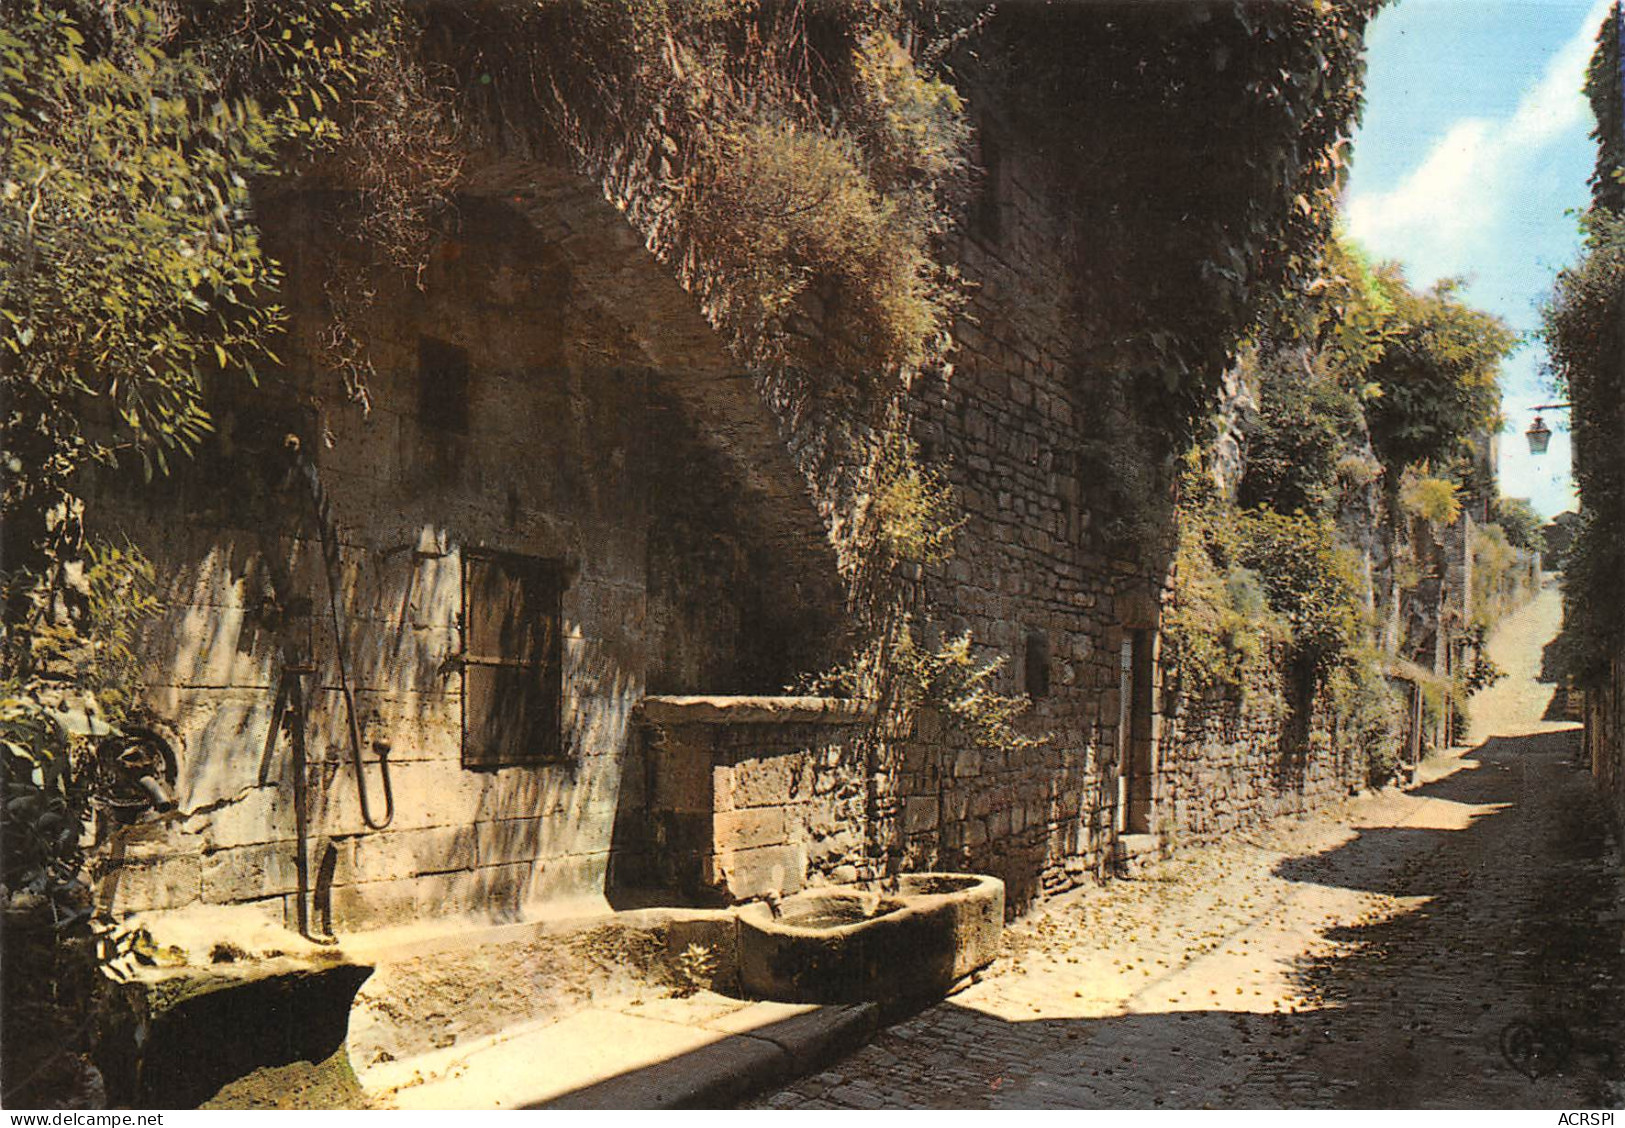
(1037, 665)
(986, 216)
(442, 386)
(1139, 739)
(513, 669)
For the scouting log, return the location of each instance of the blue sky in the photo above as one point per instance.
(1473, 151)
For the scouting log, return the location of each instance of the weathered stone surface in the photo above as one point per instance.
(243, 873)
(744, 830)
(167, 883)
(701, 519)
(842, 945)
(747, 874)
(408, 853)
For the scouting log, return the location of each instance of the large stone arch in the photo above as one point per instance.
(721, 405)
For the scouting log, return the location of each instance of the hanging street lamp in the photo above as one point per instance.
(1540, 435)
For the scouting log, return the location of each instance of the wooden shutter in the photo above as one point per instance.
(512, 659)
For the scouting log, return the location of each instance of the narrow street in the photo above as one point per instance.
(1455, 945)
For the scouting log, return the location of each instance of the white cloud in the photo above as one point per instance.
(1434, 218)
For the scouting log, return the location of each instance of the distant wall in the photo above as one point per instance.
(1234, 760)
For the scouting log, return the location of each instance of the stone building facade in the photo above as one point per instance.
(469, 589)
(518, 637)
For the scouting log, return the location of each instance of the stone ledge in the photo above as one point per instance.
(755, 710)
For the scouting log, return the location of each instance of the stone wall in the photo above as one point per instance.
(1234, 760)
(1030, 577)
(750, 795)
(1604, 714)
(608, 433)
(1041, 572)
(572, 452)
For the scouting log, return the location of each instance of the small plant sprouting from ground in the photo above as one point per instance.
(695, 970)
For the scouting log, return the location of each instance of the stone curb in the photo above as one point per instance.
(746, 1062)
(683, 1054)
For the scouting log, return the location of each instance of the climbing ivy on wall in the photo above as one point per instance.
(1605, 89)
(1584, 329)
(1585, 336)
(1238, 114)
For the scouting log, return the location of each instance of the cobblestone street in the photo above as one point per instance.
(1455, 945)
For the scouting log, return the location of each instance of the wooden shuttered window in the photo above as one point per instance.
(513, 669)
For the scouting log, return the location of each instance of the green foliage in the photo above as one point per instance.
(1246, 580)
(1310, 579)
(1303, 430)
(1435, 500)
(794, 163)
(1436, 380)
(1483, 673)
(1585, 337)
(1219, 630)
(1348, 316)
(1357, 377)
(1594, 625)
(44, 812)
(133, 271)
(131, 275)
(130, 267)
(1503, 577)
(1367, 711)
(51, 980)
(1605, 89)
(914, 506)
(121, 595)
(1258, 591)
(1522, 525)
(953, 679)
(1238, 116)
(788, 208)
(912, 122)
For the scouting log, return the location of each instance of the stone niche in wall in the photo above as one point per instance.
(748, 795)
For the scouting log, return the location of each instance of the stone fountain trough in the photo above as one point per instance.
(856, 943)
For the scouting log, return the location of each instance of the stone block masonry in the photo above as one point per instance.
(1015, 420)
(552, 441)
(751, 795)
(552, 395)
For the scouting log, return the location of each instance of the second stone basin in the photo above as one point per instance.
(854, 943)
